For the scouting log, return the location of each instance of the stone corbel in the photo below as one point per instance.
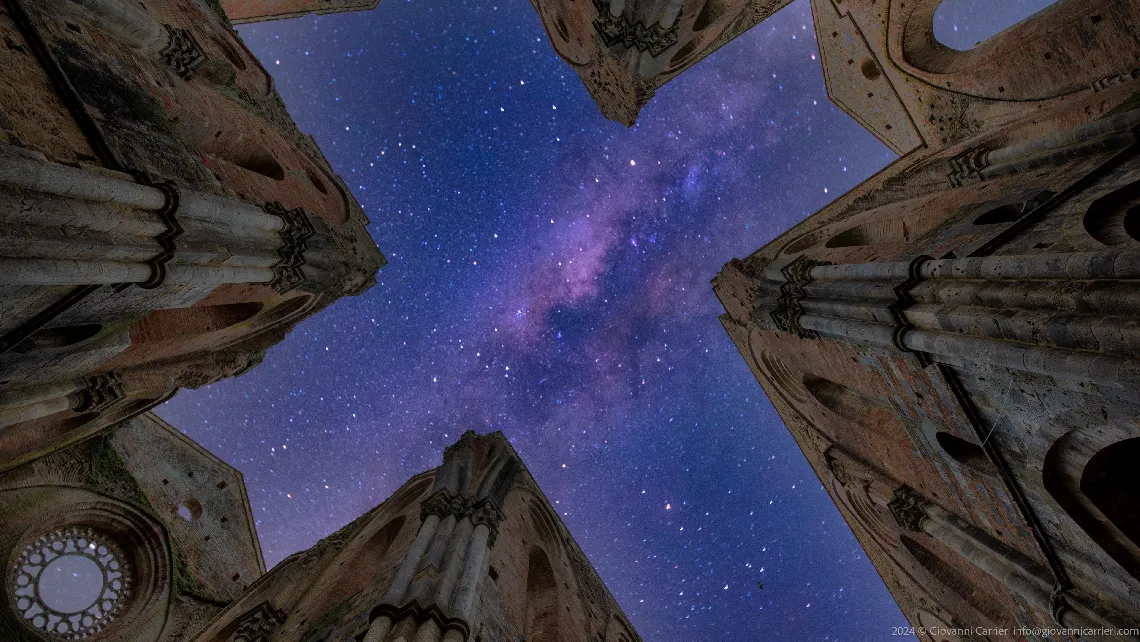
(259, 624)
(100, 392)
(967, 167)
(909, 509)
(788, 310)
(440, 503)
(181, 53)
(488, 513)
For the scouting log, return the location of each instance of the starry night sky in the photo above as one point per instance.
(549, 277)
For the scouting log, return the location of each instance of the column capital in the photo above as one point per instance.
(908, 508)
(259, 624)
(181, 52)
(287, 273)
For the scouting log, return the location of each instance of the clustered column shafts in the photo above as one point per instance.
(89, 394)
(263, 246)
(1014, 571)
(959, 324)
(1107, 134)
(434, 594)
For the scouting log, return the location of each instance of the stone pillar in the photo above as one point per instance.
(270, 243)
(135, 28)
(1014, 571)
(412, 559)
(456, 554)
(428, 632)
(464, 601)
(33, 172)
(378, 630)
(424, 584)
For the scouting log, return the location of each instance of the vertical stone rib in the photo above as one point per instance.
(36, 410)
(27, 396)
(1013, 570)
(23, 170)
(456, 554)
(64, 272)
(412, 559)
(464, 601)
(126, 23)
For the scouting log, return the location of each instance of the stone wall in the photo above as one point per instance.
(178, 516)
(952, 342)
(240, 11)
(469, 551)
(164, 221)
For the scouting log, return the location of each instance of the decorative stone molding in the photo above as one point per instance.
(165, 240)
(788, 310)
(100, 392)
(488, 513)
(618, 30)
(967, 167)
(422, 614)
(440, 503)
(287, 273)
(181, 53)
(908, 509)
(259, 624)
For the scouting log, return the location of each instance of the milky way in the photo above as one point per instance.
(549, 277)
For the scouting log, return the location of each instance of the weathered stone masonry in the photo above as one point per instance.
(953, 343)
(163, 221)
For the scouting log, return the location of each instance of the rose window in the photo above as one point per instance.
(70, 584)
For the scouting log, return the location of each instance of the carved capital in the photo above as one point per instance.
(967, 167)
(908, 509)
(287, 273)
(259, 624)
(618, 30)
(788, 311)
(182, 53)
(488, 513)
(100, 392)
(438, 503)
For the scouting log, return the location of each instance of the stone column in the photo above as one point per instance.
(33, 172)
(135, 28)
(457, 553)
(464, 602)
(32, 403)
(1013, 570)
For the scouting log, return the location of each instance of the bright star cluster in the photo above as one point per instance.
(549, 277)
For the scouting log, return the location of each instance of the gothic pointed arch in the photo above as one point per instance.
(541, 599)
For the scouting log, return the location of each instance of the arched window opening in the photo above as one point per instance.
(173, 323)
(1114, 219)
(190, 510)
(968, 590)
(883, 232)
(781, 377)
(1087, 474)
(230, 52)
(964, 24)
(71, 583)
(967, 453)
(49, 338)
(710, 12)
(681, 58)
(870, 69)
(356, 573)
(541, 599)
(849, 404)
(1003, 214)
(1111, 480)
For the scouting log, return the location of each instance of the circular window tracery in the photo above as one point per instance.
(70, 584)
